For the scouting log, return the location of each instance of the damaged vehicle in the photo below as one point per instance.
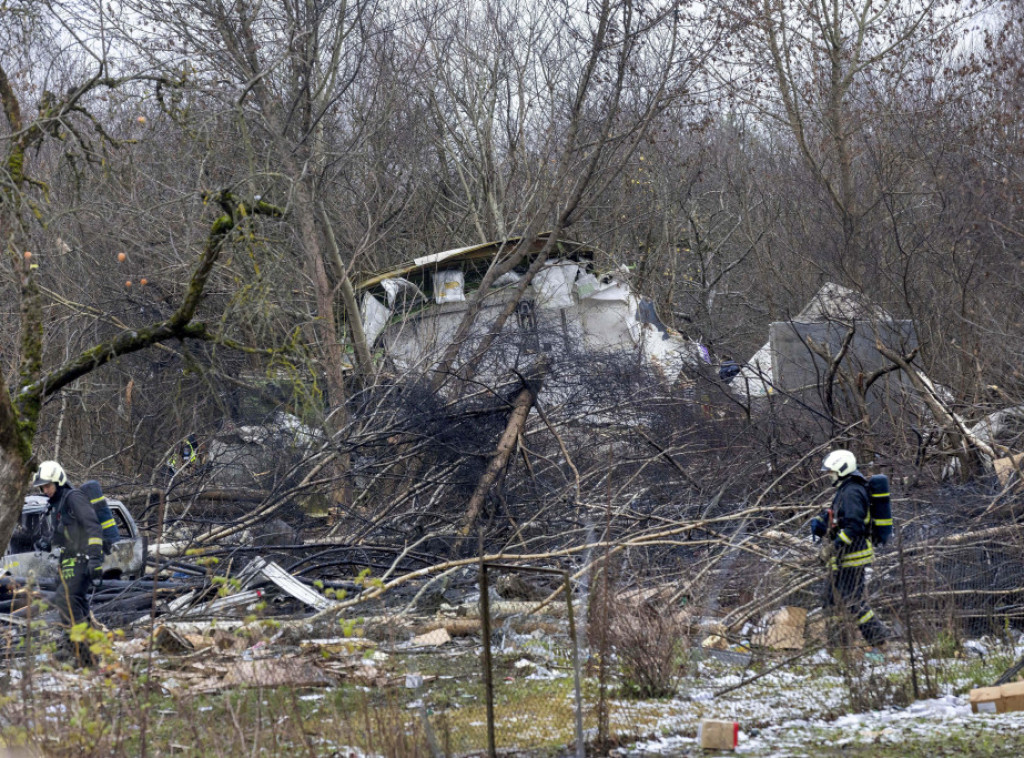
(127, 558)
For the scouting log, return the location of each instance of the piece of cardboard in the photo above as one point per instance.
(715, 642)
(432, 639)
(1012, 697)
(1006, 467)
(785, 629)
(986, 700)
(276, 672)
(713, 734)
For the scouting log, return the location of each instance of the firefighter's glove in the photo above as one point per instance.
(825, 553)
(43, 545)
(96, 566)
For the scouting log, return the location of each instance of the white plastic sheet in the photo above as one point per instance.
(398, 288)
(614, 291)
(449, 286)
(375, 317)
(587, 285)
(552, 285)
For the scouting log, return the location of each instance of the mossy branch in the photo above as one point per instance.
(11, 438)
(178, 326)
(52, 118)
(11, 106)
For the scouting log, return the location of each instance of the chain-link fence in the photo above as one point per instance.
(554, 642)
(569, 678)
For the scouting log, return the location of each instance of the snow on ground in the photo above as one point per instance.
(799, 737)
(922, 719)
(792, 713)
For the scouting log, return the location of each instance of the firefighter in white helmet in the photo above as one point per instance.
(78, 536)
(847, 527)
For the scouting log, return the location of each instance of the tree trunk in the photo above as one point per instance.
(506, 446)
(14, 469)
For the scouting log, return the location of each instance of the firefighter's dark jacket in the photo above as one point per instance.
(76, 528)
(851, 509)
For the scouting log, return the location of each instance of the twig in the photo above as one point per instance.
(776, 667)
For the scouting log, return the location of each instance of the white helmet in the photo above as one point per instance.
(50, 472)
(839, 463)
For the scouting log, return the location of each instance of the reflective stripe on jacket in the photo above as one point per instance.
(851, 507)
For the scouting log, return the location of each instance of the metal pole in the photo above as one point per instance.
(580, 747)
(485, 631)
(161, 515)
(907, 614)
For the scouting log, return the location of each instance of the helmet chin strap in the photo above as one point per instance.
(833, 477)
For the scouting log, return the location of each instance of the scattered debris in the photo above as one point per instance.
(1002, 699)
(168, 641)
(975, 648)
(435, 638)
(1006, 467)
(271, 672)
(783, 629)
(289, 584)
(713, 734)
(715, 642)
(338, 646)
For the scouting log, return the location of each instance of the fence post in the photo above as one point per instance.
(580, 747)
(485, 631)
(907, 615)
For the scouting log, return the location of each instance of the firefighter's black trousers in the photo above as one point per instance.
(72, 596)
(845, 589)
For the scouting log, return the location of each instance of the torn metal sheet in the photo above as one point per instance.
(6, 618)
(426, 260)
(507, 279)
(180, 602)
(402, 292)
(222, 604)
(290, 585)
(483, 251)
(1004, 423)
(250, 574)
(755, 377)
(613, 291)
(189, 628)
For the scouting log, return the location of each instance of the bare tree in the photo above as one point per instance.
(816, 58)
(59, 132)
(554, 104)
